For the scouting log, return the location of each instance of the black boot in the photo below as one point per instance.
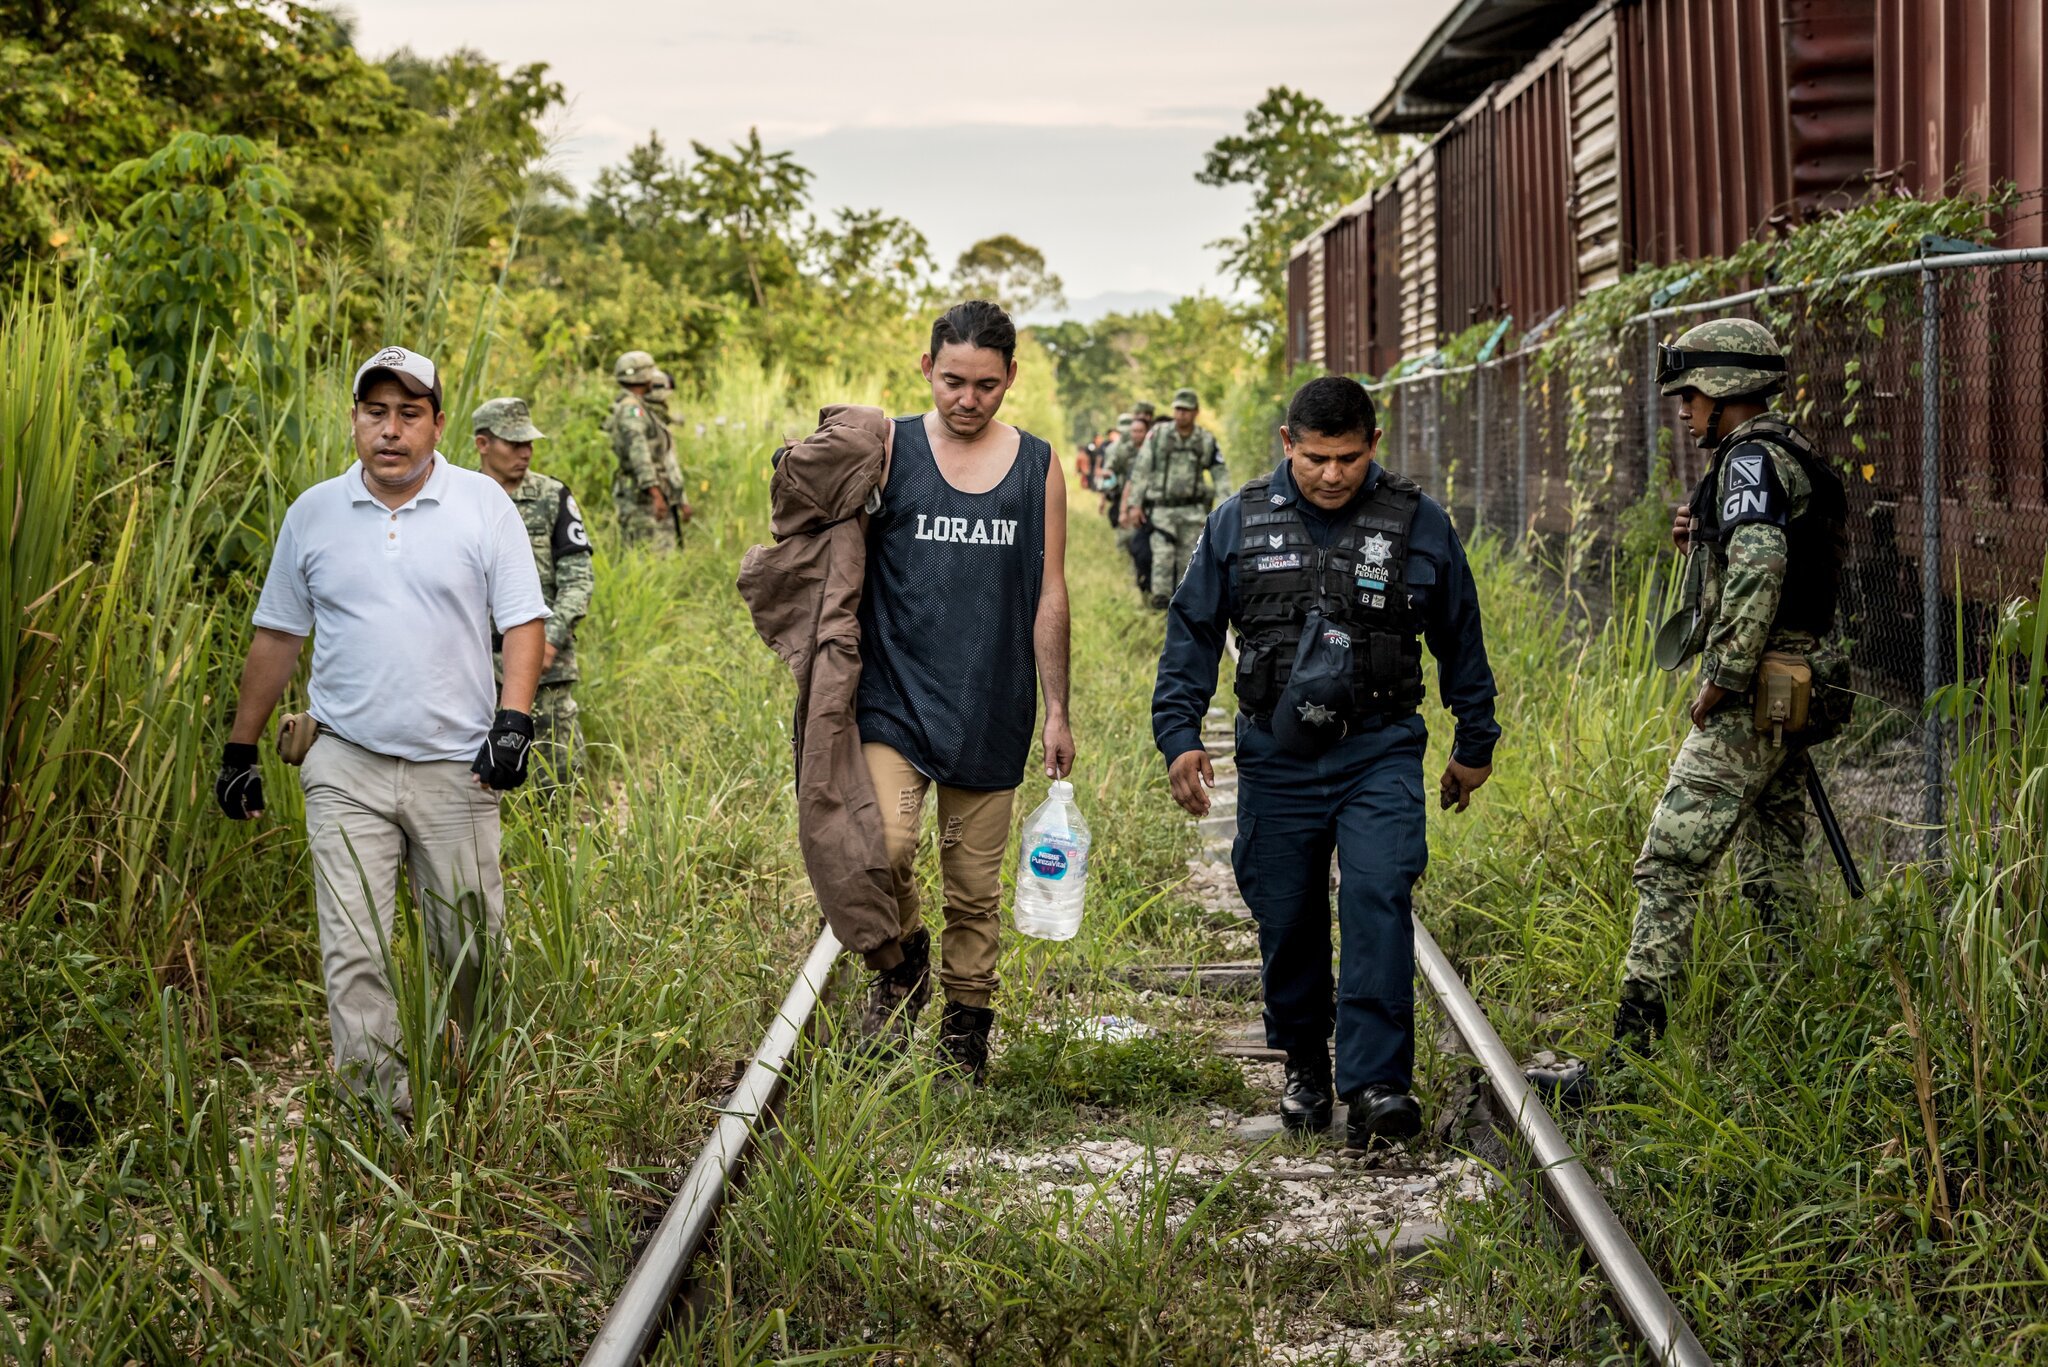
(1159, 602)
(1638, 1024)
(1306, 1104)
(1381, 1115)
(896, 997)
(963, 1040)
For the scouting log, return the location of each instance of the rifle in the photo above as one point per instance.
(1825, 811)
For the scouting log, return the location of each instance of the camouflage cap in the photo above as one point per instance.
(1144, 410)
(506, 419)
(1728, 358)
(1123, 422)
(1185, 398)
(635, 367)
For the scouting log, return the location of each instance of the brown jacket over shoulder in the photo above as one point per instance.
(804, 593)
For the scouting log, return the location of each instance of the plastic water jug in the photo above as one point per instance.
(1052, 871)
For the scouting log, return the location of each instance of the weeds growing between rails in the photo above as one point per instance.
(1837, 1157)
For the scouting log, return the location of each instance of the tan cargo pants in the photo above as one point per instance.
(974, 830)
(367, 817)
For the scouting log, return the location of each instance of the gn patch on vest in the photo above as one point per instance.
(1751, 491)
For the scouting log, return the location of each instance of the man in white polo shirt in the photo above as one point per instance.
(399, 569)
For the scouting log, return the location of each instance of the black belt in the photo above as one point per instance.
(1353, 724)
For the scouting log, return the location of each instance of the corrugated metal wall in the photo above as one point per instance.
(1961, 108)
(1468, 242)
(1659, 130)
(1417, 183)
(1593, 119)
(1297, 306)
(1831, 101)
(1384, 341)
(1533, 204)
(1347, 289)
(1960, 101)
(1318, 300)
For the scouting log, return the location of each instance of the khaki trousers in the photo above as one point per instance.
(974, 830)
(367, 817)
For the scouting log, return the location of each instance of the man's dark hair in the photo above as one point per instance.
(1333, 406)
(976, 323)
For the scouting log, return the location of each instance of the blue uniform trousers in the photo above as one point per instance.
(1362, 801)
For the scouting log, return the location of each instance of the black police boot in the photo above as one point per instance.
(963, 1041)
(1159, 602)
(1306, 1104)
(896, 997)
(1381, 1115)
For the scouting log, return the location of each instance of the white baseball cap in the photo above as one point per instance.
(409, 368)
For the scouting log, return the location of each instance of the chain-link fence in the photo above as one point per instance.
(1925, 383)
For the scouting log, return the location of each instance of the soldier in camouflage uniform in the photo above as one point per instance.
(1173, 485)
(638, 489)
(505, 435)
(657, 400)
(1766, 523)
(1132, 429)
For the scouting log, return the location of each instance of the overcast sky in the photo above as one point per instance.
(1076, 126)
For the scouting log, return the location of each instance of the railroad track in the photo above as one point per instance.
(637, 1318)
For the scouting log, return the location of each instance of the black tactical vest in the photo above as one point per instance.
(1813, 540)
(1360, 581)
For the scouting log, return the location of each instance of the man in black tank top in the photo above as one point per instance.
(963, 620)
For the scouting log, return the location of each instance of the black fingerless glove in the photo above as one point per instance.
(238, 788)
(501, 764)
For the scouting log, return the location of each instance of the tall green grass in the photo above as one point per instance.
(184, 1181)
(1837, 1156)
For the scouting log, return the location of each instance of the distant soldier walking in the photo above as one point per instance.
(637, 437)
(1764, 530)
(1132, 429)
(1174, 485)
(505, 435)
(658, 395)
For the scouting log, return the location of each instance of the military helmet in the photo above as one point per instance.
(1144, 410)
(660, 387)
(1728, 358)
(635, 367)
(1123, 423)
(507, 419)
(1186, 398)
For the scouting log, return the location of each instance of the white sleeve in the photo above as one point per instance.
(515, 580)
(287, 603)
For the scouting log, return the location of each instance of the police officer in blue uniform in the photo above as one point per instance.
(1333, 572)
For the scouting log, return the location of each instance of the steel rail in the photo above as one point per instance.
(635, 1318)
(1649, 1310)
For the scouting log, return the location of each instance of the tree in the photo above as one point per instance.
(1009, 272)
(751, 200)
(1303, 162)
(199, 251)
(92, 84)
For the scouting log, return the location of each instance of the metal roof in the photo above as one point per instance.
(1478, 43)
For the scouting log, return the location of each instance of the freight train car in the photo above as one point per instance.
(1570, 143)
